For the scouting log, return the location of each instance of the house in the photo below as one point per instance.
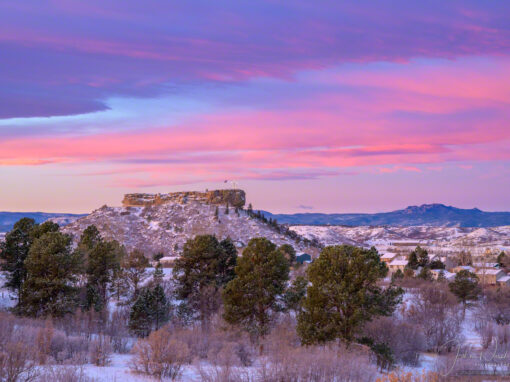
(449, 276)
(388, 257)
(463, 268)
(485, 265)
(490, 276)
(505, 280)
(448, 263)
(167, 261)
(303, 258)
(397, 264)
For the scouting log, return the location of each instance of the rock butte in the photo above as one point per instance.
(234, 198)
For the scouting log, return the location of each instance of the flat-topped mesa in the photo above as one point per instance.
(234, 198)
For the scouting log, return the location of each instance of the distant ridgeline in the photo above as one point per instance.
(7, 219)
(437, 215)
(233, 198)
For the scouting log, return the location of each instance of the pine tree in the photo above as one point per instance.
(134, 266)
(158, 275)
(13, 252)
(465, 286)
(425, 274)
(398, 275)
(289, 252)
(217, 213)
(52, 272)
(203, 268)
(502, 259)
(344, 294)
(226, 262)
(160, 307)
(150, 311)
(412, 261)
(140, 316)
(423, 256)
(251, 299)
(227, 210)
(295, 293)
(103, 263)
(250, 209)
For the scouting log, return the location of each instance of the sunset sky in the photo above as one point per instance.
(310, 106)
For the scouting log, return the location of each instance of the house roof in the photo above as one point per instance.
(504, 279)
(485, 265)
(489, 272)
(388, 255)
(398, 262)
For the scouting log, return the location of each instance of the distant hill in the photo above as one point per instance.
(424, 215)
(7, 219)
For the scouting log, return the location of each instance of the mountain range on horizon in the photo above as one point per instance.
(425, 215)
(435, 214)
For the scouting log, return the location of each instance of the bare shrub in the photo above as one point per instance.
(160, 355)
(6, 327)
(486, 333)
(436, 310)
(405, 339)
(100, 351)
(43, 342)
(407, 376)
(64, 374)
(118, 331)
(225, 373)
(496, 304)
(16, 364)
(317, 364)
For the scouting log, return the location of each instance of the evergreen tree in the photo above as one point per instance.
(344, 294)
(158, 256)
(13, 252)
(52, 270)
(295, 294)
(227, 211)
(502, 259)
(151, 310)
(398, 275)
(289, 252)
(203, 268)
(412, 261)
(103, 264)
(140, 316)
(158, 274)
(441, 277)
(423, 256)
(40, 229)
(437, 264)
(134, 266)
(216, 213)
(465, 286)
(88, 240)
(425, 274)
(251, 298)
(160, 307)
(250, 209)
(226, 262)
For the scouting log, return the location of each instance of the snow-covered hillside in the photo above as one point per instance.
(166, 227)
(443, 238)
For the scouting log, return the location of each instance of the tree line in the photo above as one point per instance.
(339, 293)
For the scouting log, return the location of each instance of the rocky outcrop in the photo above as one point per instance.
(234, 198)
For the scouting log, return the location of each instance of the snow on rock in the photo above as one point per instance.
(166, 226)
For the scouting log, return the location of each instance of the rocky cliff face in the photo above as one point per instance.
(164, 222)
(233, 198)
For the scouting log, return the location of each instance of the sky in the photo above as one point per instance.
(309, 106)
